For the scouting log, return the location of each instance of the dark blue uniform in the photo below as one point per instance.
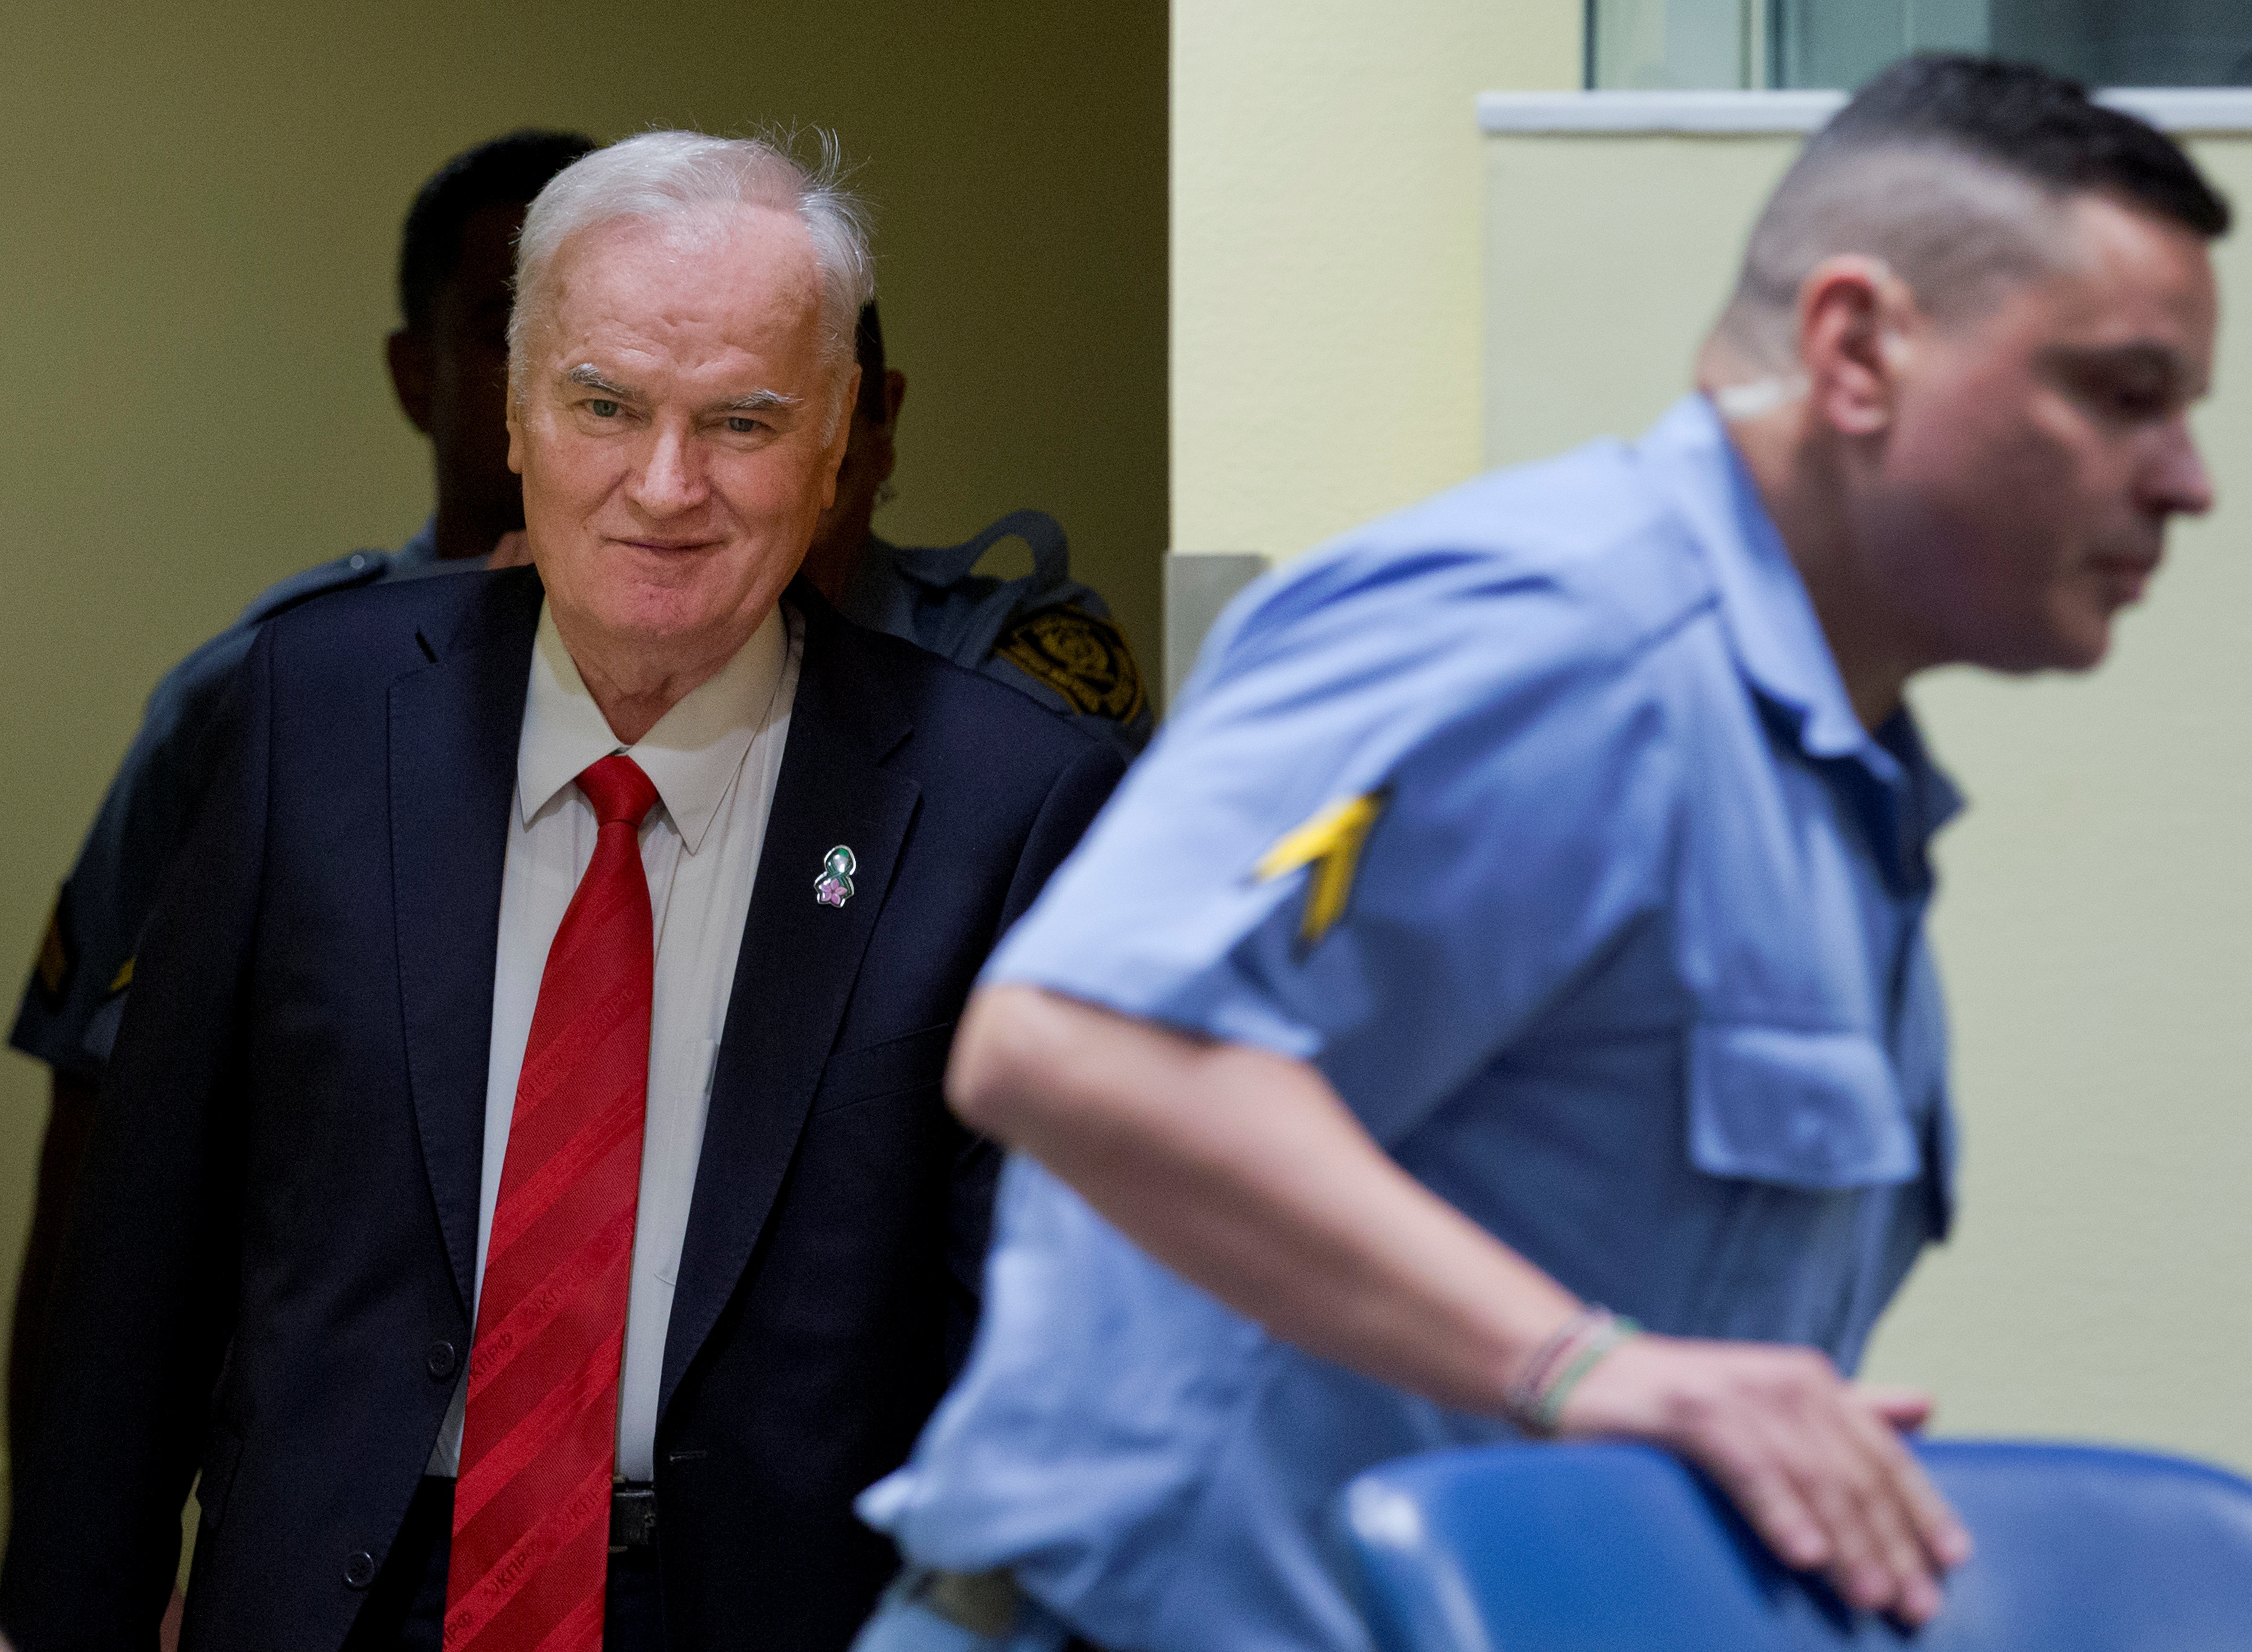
(1045, 634)
(70, 1008)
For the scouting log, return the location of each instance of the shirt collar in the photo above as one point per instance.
(1770, 620)
(421, 550)
(419, 558)
(1771, 624)
(690, 756)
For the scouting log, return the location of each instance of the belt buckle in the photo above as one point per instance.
(983, 1602)
(633, 1518)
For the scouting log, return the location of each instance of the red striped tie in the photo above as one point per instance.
(532, 1511)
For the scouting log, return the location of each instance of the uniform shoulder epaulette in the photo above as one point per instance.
(1080, 656)
(360, 567)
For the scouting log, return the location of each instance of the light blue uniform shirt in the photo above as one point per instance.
(1631, 971)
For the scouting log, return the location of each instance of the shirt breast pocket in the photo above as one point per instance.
(1800, 1108)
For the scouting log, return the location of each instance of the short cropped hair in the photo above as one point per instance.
(1953, 171)
(868, 350)
(507, 171)
(685, 175)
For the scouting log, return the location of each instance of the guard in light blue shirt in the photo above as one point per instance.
(1538, 819)
(1563, 843)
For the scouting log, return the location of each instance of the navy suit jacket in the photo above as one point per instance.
(270, 1267)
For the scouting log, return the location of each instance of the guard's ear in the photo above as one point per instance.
(879, 440)
(412, 369)
(839, 439)
(1851, 346)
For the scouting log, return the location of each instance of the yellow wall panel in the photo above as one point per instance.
(1325, 287)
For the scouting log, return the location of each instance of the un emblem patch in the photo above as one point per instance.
(1081, 658)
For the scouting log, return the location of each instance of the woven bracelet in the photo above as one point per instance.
(1532, 1381)
(1608, 1336)
(1534, 1400)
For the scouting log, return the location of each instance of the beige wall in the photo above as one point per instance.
(1325, 270)
(2094, 924)
(202, 206)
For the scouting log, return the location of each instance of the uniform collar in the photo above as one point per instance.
(1771, 624)
(942, 565)
(422, 550)
(690, 756)
(1770, 620)
(419, 558)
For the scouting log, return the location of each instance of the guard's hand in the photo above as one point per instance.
(1815, 1463)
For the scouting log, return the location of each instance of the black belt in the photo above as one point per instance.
(633, 1515)
(984, 1603)
(633, 1511)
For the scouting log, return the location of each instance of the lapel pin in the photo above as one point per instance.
(834, 887)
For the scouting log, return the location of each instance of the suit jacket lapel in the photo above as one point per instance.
(455, 725)
(795, 970)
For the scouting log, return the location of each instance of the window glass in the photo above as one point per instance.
(1656, 44)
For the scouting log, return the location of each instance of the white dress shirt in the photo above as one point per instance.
(713, 758)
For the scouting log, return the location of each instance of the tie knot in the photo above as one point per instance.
(618, 790)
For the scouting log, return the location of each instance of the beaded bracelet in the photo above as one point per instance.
(1535, 1400)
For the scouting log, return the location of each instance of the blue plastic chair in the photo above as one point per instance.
(1589, 1548)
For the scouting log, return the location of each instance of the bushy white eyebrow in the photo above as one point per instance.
(587, 376)
(762, 401)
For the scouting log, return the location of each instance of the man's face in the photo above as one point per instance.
(469, 377)
(2037, 450)
(672, 430)
(452, 376)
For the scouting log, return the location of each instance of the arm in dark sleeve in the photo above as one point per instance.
(68, 1018)
(1070, 807)
(62, 1150)
(145, 1300)
(70, 1008)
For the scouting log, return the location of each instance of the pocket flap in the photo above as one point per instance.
(913, 1060)
(1813, 1109)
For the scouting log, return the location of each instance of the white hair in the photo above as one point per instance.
(658, 176)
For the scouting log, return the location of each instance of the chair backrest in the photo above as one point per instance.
(1585, 1548)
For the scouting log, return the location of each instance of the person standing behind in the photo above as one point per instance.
(1519, 927)
(1044, 634)
(448, 361)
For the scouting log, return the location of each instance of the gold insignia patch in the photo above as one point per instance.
(1331, 843)
(53, 965)
(123, 978)
(1083, 658)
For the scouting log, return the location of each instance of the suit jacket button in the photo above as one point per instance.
(440, 1360)
(359, 1570)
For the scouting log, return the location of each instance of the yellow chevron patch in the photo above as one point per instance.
(123, 978)
(1331, 844)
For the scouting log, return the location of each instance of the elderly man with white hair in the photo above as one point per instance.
(526, 1129)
